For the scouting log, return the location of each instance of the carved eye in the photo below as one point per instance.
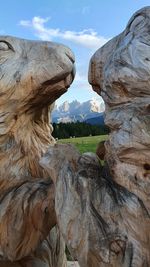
(4, 46)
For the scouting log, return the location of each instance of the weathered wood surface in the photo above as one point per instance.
(73, 264)
(119, 72)
(98, 218)
(32, 76)
(104, 213)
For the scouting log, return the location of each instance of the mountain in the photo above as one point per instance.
(76, 111)
(96, 120)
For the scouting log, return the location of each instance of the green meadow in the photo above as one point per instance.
(85, 144)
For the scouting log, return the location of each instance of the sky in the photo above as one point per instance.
(83, 25)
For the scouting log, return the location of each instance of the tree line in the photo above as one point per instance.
(77, 129)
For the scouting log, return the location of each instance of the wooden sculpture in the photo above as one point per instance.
(32, 76)
(104, 212)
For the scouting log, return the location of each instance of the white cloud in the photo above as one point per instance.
(87, 38)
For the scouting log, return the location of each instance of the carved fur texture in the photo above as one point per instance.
(32, 76)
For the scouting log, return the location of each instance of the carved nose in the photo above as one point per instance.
(60, 49)
(64, 62)
(69, 54)
(64, 50)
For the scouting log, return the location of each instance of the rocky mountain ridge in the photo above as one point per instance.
(76, 111)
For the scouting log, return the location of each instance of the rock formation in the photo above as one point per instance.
(104, 213)
(32, 76)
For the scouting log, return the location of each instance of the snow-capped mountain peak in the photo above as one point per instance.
(75, 110)
(96, 105)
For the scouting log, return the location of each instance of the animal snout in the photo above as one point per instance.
(69, 54)
(66, 51)
(60, 49)
(65, 57)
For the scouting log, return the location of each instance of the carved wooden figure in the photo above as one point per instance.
(32, 76)
(104, 213)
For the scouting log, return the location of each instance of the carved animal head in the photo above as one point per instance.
(120, 72)
(122, 66)
(32, 76)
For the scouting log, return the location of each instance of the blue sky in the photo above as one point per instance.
(83, 25)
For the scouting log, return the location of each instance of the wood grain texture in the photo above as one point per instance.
(98, 218)
(119, 72)
(32, 76)
(104, 212)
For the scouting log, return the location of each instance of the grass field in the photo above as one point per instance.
(85, 144)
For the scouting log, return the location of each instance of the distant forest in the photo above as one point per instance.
(78, 129)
